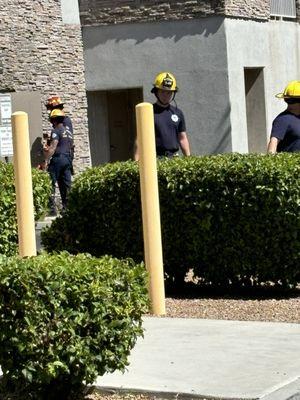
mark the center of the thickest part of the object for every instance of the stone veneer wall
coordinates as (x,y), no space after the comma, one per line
(107,12)
(254,9)
(38,52)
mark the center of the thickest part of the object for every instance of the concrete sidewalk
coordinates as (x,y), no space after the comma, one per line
(213,359)
(208,359)
(39,226)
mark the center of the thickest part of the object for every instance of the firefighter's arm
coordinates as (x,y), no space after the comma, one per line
(184,143)
(49,150)
(272,146)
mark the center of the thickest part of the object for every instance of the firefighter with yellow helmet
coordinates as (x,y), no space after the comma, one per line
(58,155)
(169,121)
(56,103)
(285,134)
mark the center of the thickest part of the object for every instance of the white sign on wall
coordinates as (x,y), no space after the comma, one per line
(6,146)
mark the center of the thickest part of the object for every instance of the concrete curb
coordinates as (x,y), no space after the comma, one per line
(287,392)
(167,395)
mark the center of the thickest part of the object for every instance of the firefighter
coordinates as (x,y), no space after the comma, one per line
(58,155)
(56,103)
(285,134)
(169,121)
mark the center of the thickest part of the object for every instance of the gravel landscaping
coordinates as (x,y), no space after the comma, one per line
(273,310)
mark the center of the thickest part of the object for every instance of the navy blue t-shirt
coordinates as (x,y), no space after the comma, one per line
(68,123)
(65,140)
(169,122)
(286,128)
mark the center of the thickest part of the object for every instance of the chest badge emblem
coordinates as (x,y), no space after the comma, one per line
(174,118)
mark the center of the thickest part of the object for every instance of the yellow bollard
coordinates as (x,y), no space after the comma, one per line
(23,183)
(150,206)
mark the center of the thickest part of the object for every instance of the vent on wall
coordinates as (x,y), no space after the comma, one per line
(283,8)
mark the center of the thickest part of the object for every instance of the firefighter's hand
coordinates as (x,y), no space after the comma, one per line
(43,165)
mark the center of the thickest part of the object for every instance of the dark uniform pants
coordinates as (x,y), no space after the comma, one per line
(60,168)
(166,153)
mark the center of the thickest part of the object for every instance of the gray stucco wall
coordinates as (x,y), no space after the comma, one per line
(273,45)
(130,55)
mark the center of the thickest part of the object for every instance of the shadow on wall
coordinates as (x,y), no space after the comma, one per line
(36,152)
(140,32)
(224,144)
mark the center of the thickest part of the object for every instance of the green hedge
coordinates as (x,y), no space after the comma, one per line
(67,319)
(8,213)
(230,217)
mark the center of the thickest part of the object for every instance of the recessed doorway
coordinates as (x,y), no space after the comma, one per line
(112,126)
(255,109)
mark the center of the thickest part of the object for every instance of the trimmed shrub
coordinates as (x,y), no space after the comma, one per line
(103,215)
(230,217)
(67,319)
(8,213)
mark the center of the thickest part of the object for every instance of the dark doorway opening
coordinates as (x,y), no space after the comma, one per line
(255,109)
(112,126)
